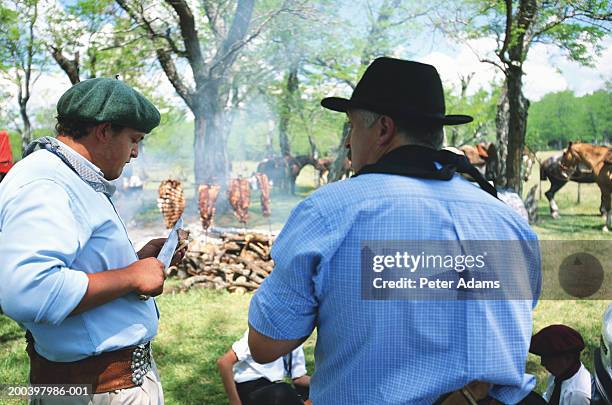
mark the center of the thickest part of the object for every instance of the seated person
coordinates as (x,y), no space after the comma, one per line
(250,383)
(559,347)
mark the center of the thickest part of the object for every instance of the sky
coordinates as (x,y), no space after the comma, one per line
(546,69)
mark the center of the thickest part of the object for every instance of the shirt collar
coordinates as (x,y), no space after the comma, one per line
(81,157)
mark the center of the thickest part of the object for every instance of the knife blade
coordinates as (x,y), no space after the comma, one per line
(167,250)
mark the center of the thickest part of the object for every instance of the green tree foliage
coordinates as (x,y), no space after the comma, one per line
(562,117)
(21,61)
(575,26)
(481,105)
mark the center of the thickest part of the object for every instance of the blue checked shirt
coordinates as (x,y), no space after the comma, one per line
(54,230)
(394,352)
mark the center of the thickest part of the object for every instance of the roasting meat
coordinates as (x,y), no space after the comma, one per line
(239,198)
(207,197)
(264,187)
(171,201)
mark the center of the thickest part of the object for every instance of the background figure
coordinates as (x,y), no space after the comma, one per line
(395,351)
(569,382)
(250,383)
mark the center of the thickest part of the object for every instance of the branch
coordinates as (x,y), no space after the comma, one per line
(552,24)
(508,35)
(320,62)
(30,54)
(211,17)
(190,37)
(164,58)
(70,67)
(256,33)
(497,65)
(412,16)
(225,54)
(167,64)
(124,44)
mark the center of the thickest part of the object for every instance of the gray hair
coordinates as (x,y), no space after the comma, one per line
(431,137)
(368,118)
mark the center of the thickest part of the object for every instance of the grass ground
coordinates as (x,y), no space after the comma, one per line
(197,327)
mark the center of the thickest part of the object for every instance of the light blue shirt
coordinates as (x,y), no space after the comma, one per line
(394,352)
(54,230)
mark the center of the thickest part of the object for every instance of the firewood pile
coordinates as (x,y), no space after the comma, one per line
(171,201)
(237,262)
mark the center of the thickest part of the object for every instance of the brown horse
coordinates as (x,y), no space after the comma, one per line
(550,169)
(323,166)
(599,159)
(486,159)
(284,170)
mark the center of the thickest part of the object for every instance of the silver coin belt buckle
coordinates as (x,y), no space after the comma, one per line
(141,362)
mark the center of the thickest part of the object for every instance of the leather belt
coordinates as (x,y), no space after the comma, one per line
(474,393)
(109,371)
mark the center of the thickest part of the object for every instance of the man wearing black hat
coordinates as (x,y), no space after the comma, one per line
(381,351)
(70,275)
(559,347)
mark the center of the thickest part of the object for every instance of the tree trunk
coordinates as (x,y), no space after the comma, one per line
(199,148)
(453,136)
(269,141)
(517,124)
(26,134)
(211,158)
(501,124)
(337,169)
(285,110)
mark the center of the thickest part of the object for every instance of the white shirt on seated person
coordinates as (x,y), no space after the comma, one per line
(576,390)
(247,369)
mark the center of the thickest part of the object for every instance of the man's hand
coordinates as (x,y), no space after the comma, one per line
(153,247)
(147,276)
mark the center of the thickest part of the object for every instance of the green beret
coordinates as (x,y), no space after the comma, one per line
(108,100)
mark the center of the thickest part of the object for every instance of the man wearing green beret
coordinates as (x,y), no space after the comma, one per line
(70,275)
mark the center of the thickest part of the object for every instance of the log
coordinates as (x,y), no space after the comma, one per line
(246,284)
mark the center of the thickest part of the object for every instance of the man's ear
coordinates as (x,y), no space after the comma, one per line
(103,132)
(387,130)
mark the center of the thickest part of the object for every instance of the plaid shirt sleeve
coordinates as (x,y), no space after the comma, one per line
(285,307)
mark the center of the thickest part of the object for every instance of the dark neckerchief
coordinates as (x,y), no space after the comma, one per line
(555,398)
(418,161)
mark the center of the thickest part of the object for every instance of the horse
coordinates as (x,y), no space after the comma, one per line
(324,165)
(485,158)
(550,169)
(276,170)
(284,170)
(599,159)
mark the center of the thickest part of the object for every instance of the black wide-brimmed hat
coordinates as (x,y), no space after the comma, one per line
(404,90)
